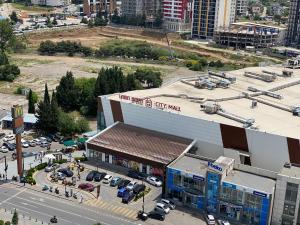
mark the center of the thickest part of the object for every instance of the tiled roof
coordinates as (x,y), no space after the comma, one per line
(141,143)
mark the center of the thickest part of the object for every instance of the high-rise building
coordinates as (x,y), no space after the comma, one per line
(210,15)
(293,32)
(177,15)
(241,7)
(95,6)
(132,8)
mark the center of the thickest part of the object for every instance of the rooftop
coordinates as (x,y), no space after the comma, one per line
(252,181)
(28,118)
(273,116)
(141,143)
(292,171)
(191,165)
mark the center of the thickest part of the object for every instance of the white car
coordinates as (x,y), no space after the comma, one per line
(168,203)
(154,181)
(130,186)
(223,222)
(107,179)
(161,207)
(25,145)
(4,149)
(210,219)
(9,137)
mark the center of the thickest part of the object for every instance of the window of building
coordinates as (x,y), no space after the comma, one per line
(289,209)
(291,192)
(107,158)
(177,179)
(253,201)
(231,195)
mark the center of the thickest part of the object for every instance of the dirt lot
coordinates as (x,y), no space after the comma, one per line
(37,70)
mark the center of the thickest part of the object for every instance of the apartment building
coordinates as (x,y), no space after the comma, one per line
(177,15)
(293,31)
(149,8)
(95,6)
(209,16)
(241,7)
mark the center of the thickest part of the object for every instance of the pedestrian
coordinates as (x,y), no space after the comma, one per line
(1,176)
(81,198)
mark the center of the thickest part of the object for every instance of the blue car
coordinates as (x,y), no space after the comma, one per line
(116,181)
(122,192)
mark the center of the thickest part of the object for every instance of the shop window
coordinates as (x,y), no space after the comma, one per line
(289,209)
(177,179)
(253,201)
(231,195)
(144,168)
(106,158)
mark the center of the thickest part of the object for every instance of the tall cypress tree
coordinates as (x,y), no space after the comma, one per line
(31,107)
(43,113)
(54,113)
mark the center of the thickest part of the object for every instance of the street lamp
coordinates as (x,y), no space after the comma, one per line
(143,196)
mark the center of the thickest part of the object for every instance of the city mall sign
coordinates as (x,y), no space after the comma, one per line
(149,103)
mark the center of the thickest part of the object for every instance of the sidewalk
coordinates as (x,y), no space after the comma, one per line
(6,215)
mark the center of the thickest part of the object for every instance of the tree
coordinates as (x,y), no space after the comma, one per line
(54,113)
(151,78)
(44,121)
(13,17)
(6,34)
(67,93)
(31,106)
(54,22)
(15,218)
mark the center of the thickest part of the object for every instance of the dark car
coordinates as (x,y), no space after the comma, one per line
(123,183)
(66,171)
(136,175)
(86,186)
(128,196)
(90,176)
(138,188)
(99,176)
(9,146)
(156,215)
(122,192)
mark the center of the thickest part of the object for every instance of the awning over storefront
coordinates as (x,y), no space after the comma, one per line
(139,144)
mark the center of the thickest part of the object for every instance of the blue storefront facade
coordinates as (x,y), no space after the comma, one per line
(210,192)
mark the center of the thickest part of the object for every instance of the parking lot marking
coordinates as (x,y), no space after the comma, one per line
(123,210)
(132,215)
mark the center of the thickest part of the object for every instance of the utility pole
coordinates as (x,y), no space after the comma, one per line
(143,197)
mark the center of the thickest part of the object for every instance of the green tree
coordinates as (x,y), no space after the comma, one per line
(54,114)
(15,218)
(54,22)
(13,17)
(151,78)
(67,93)
(31,106)
(6,34)
(44,121)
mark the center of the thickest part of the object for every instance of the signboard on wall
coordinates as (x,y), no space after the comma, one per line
(214,166)
(150,103)
(17,111)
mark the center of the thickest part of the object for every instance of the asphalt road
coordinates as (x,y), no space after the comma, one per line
(42,207)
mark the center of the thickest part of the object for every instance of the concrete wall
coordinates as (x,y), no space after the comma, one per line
(266,150)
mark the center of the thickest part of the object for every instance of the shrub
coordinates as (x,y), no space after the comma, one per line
(82,159)
(61,161)
(41,166)
(140,195)
(1,222)
(7,223)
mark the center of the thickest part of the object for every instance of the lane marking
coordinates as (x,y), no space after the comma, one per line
(13,196)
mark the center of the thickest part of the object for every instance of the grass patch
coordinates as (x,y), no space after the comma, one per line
(32,8)
(30,62)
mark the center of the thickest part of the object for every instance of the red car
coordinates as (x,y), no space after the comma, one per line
(86,186)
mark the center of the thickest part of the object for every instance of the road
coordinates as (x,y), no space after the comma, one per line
(42,207)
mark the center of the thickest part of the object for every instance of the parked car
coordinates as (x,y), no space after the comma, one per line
(210,219)
(154,181)
(107,179)
(25,145)
(115,181)
(52,167)
(130,186)
(9,146)
(136,175)
(161,207)
(138,188)
(86,186)
(27,154)
(4,149)
(2,135)
(128,196)
(142,215)
(121,192)
(32,143)
(156,215)
(66,171)
(223,222)
(123,183)
(99,176)
(61,176)
(44,144)
(90,175)
(9,137)
(168,203)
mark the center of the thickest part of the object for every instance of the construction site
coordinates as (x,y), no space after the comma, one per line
(243,35)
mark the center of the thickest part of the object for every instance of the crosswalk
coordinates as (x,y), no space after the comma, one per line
(107,206)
